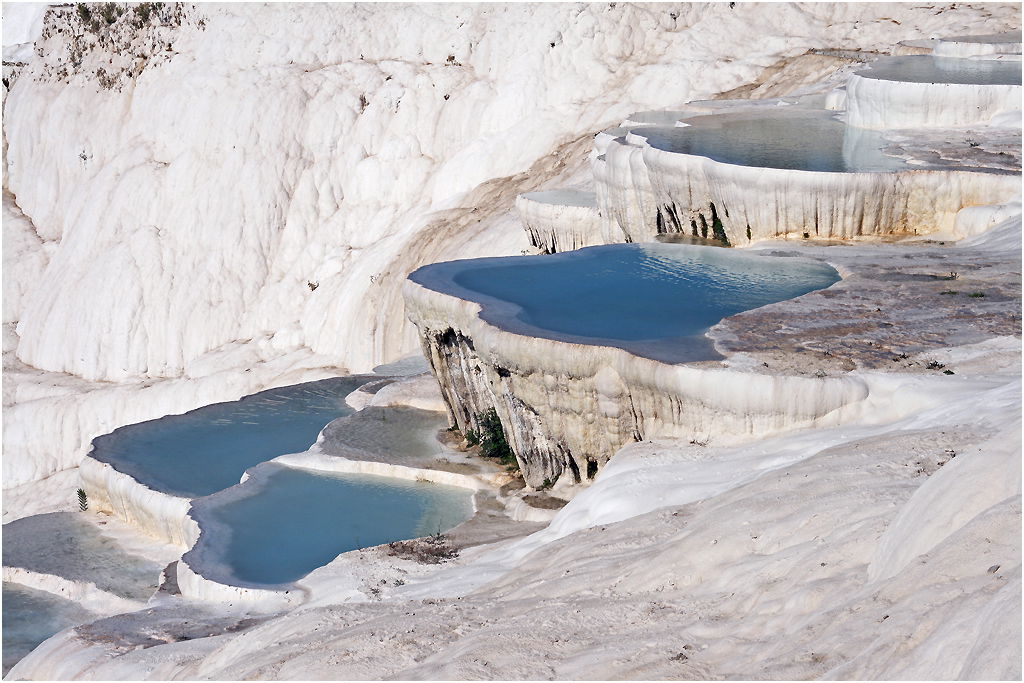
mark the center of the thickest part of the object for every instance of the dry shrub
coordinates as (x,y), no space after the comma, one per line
(429,550)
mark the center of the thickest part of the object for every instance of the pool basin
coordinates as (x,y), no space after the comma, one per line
(284,522)
(653,300)
(208,449)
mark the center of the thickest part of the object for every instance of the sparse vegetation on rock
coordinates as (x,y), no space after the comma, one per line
(430,550)
(492,439)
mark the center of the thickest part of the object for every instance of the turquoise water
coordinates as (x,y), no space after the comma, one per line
(285,522)
(654,300)
(782,138)
(31,616)
(208,449)
(929,69)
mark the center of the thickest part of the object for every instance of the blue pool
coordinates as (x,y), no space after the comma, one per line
(929,69)
(285,522)
(31,616)
(783,138)
(208,449)
(654,300)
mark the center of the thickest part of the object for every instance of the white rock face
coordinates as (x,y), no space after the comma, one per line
(25,259)
(955,495)
(23,22)
(625,197)
(194,210)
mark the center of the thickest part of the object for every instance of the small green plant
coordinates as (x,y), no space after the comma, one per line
(717,227)
(143,11)
(84,13)
(492,439)
(950,292)
(110,12)
(976,295)
(948,372)
(471,437)
(83,500)
(546,484)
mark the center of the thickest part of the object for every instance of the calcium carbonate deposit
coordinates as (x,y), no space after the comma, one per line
(202,202)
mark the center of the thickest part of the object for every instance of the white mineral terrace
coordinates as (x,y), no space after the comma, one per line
(836,494)
(592,398)
(922,91)
(560,220)
(970,46)
(780,173)
(180,521)
(656,118)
